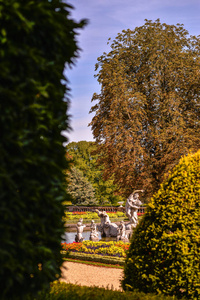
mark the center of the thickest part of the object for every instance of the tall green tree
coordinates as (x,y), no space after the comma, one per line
(37,39)
(147,114)
(84,156)
(80,189)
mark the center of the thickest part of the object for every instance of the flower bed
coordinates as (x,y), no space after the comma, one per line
(73,217)
(114,249)
(91,215)
(140,214)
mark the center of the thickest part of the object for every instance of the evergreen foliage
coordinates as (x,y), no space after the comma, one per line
(37,38)
(84,156)
(164,255)
(147,114)
(80,189)
(63,291)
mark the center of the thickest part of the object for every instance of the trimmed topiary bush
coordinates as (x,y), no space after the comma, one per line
(164,253)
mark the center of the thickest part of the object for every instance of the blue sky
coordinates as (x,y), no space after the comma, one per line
(106,19)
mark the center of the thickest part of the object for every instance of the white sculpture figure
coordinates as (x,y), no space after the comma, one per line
(79,227)
(122,229)
(122,233)
(106,228)
(132,205)
(94,235)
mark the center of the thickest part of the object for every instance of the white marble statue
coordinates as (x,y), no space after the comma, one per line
(122,236)
(94,235)
(79,227)
(106,228)
(132,205)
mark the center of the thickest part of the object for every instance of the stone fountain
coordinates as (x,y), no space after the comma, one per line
(122,232)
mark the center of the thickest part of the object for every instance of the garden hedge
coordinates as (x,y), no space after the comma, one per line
(63,291)
(37,40)
(97,258)
(164,253)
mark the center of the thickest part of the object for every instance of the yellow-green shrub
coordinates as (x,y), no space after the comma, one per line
(83,215)
(164,251)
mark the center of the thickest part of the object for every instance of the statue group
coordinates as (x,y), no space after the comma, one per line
(122,232)
(94,235)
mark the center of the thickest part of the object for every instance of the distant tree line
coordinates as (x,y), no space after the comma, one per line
(86,183)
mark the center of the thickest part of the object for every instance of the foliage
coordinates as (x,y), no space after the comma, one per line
(80,188)
(67,203)
(37,39)
(147,113)
(84,158)
(164,255)
(114,260)
(66,291)
(95,262)
(91,215)
(106,248)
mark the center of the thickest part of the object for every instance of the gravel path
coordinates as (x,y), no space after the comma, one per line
(82,274)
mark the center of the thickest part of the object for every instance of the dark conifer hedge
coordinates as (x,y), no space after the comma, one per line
(37,38)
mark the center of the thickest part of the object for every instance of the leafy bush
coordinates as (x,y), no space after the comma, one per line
(164,253)
(77,215)
(120,214)
(63,291)
(37,39)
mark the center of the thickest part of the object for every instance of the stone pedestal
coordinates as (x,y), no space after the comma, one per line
(125,239)
(78,240)
(94,238)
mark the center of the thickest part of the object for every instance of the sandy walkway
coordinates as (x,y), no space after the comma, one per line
(82,274)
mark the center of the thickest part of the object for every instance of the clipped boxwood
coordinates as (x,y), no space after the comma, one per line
(164,253)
